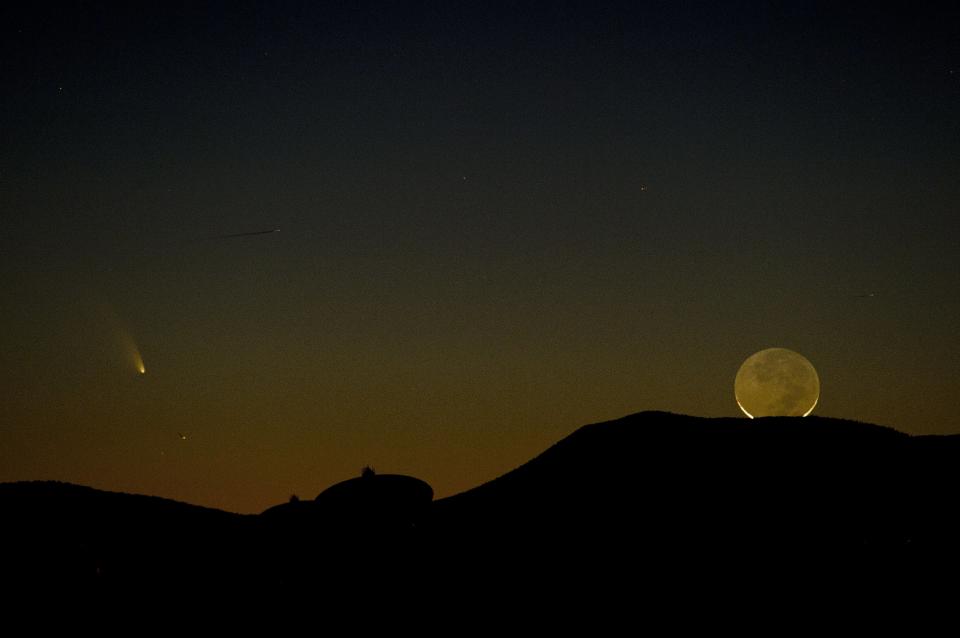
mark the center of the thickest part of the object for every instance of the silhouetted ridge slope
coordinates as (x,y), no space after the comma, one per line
(362,524)
(69,531)
(56,498)
(666,480)
(634,444)
(657,494)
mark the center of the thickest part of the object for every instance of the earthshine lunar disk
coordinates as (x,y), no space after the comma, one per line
(777,382)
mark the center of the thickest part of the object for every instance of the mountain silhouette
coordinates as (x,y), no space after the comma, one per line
(652,493)
(352,527)
(657,492)
(655,474)
(59,532)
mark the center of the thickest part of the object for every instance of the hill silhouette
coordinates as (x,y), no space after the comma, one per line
(59,532)
(658,491)
(652,492)
(353,528)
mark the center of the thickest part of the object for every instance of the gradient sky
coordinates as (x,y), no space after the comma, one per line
(497,223)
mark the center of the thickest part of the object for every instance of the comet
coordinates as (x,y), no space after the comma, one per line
(138,362)
(132,351)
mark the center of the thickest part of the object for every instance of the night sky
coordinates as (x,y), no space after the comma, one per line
(497,223)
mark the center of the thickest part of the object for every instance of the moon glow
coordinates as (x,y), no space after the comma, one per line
(777,382)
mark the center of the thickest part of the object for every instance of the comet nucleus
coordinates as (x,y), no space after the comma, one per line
(132,351)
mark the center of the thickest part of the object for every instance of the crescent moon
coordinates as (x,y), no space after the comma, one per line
(777,382)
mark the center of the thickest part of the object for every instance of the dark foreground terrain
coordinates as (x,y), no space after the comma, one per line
(653,496)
